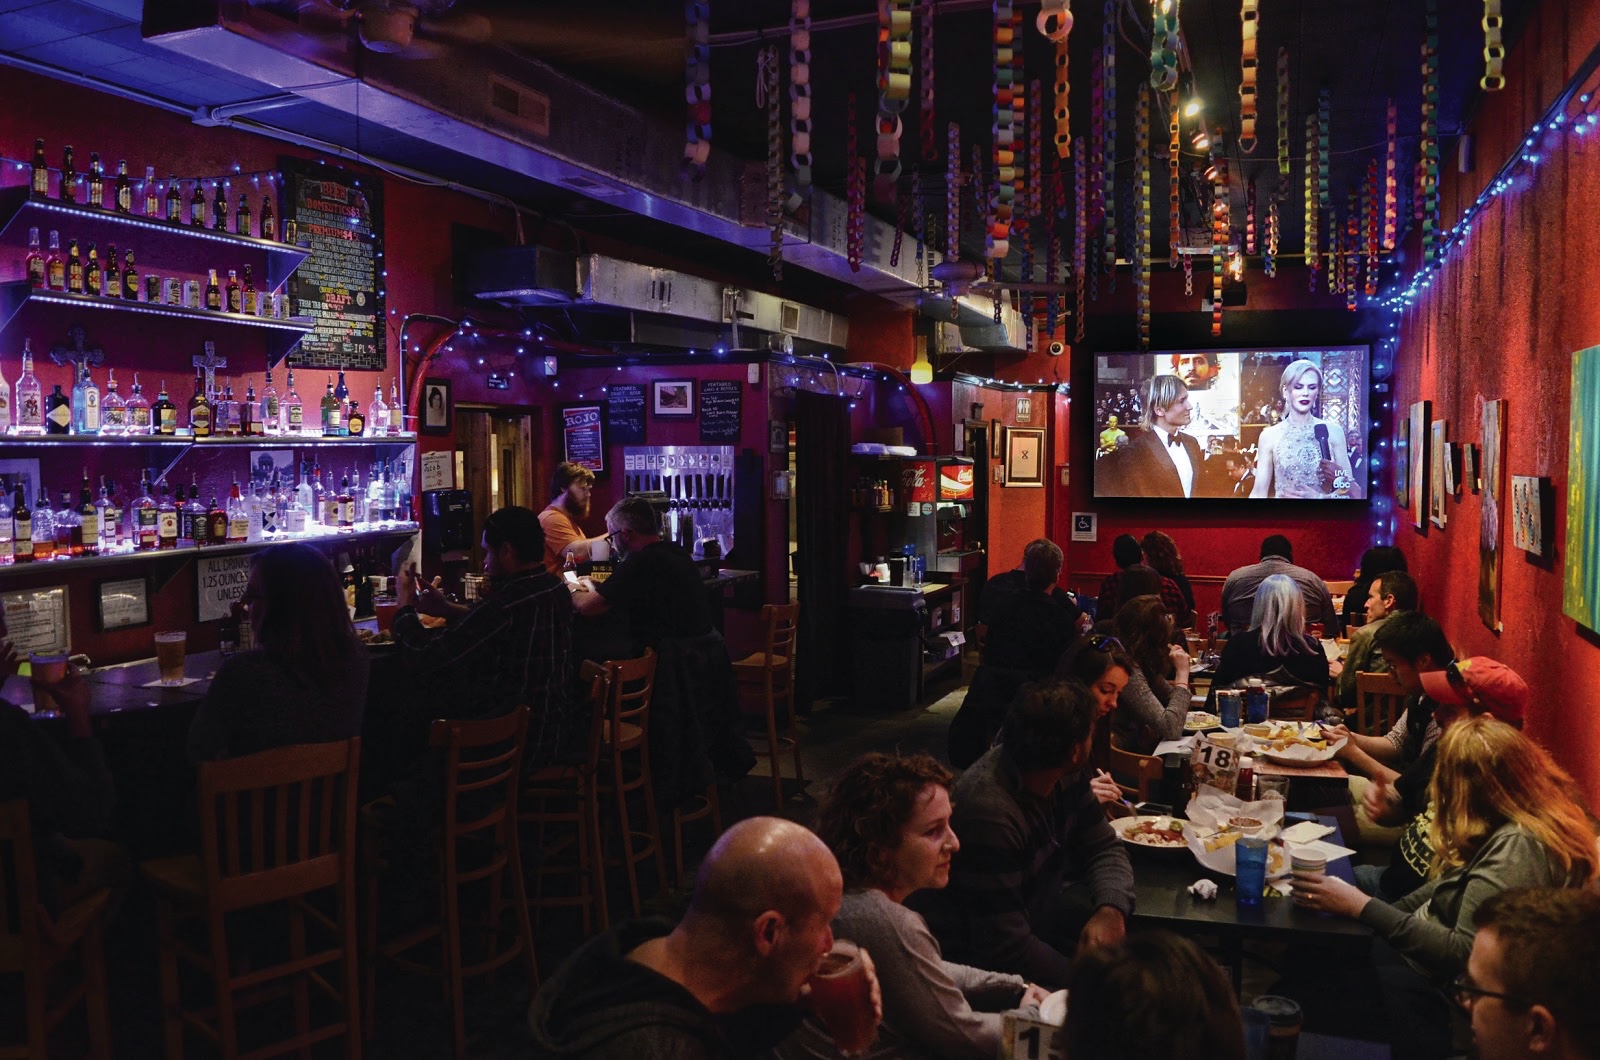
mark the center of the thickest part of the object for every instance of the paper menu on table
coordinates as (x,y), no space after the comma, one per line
(1305,832)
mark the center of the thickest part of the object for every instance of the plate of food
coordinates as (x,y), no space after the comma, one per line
(1151,833)
(1200,720)
(1295,744)
(1215,852)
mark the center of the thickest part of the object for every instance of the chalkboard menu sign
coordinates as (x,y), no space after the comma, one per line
(581,430)
(625,413)
(719,410)
(341,287)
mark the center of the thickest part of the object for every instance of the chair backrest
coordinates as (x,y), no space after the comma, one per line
(1339,588)
(279,823)
(1135,774)
(480,756)
(1380,699)
(633,683)
(597,679)
(19,887)
(783,626)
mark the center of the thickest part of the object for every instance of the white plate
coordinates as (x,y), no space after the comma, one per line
(1198,720)
(1123,825)
(1053,1009)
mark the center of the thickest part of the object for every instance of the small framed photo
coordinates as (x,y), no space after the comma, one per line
(673,397)
(122,603)
(996,441)
(437,410)
(1529,514)
(1025,464)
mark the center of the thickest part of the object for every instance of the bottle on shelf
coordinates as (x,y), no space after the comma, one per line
(228,416)
(93,279)
(219,208)
(5,404)
(241,217)
(152,198)
(166,520)
(174,201)
(255,505)
(74,268)
(213,292)
(197,207)
(216,523)
(238,529)
(138,409)
(122,192)
(30,399)
(235,299)
(269,222)
(113,410)
(377,413)
(130,278)
(305,494)
(21,527)
(191,517)
(7,527)
(35,261)
(58,412)
(142,517)
(295,514)
(111,285)
(249,301)
(69,176)
(355,420)
(271,414)
(347,506)
(112,536)
(202,420)
(88,520)
(97,182)
(250,412)
(55,266)
(267,500)
(40,186)
(388,501)
(85,404)
(164,414)
(332,417)
(293,410)
(69,530)
(396,413)
(328,506)
(341,391)
(44,527)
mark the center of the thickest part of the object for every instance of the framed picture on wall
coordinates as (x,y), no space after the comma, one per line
(1025,456)
(1417,468)
(437,409)
(673,397)
(122,604)
(1438,457)
(1529,516)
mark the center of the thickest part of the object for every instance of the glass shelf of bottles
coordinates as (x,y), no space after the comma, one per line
(127,555)
(13,296)
(254,441)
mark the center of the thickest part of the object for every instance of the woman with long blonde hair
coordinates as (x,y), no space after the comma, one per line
(1304,456)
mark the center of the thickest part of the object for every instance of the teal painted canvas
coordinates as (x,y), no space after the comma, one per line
(1581,598)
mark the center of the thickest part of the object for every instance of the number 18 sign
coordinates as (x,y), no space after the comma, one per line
(1026,1039)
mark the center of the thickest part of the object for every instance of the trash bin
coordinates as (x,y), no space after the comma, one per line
(886,625)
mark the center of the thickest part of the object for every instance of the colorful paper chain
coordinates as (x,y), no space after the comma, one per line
(1108,68)
(1250,20)
(1025,271)
(1430,134)
(902,218)
(1097,162)
(1022,122)
(921,226)
(925,85)
(800,157)
(1141,216)
(952,192)
(1220,225)
(1174,179)
(1080,242)
(1269,257)
(1052,274)
(1188,274)
(1494,49)
(1391,179)
(997,243)
(1164,44)
(697,87)
(1283,118)
(1313,230)
(1352,260)
(1035,149)
(769,97)
(1324,162)
(1055,24)
(855,207)
(894,93)
(1370,196)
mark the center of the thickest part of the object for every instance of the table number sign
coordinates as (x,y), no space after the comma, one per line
(1026,1039)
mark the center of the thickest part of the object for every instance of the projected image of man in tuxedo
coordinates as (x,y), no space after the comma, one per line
(1162,461)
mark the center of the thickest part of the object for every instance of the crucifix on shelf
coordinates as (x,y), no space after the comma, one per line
(209,365)
(76,354)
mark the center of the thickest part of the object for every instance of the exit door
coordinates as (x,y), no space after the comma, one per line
(497,464)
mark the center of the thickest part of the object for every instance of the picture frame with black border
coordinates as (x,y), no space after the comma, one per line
(438,411)
(1025,457)
(672,397)
(121,603)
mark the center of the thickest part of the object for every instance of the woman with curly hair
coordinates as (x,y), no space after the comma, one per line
(1161,554)
(887,820)
(1155,702)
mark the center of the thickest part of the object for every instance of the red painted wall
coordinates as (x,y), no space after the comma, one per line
(1501,321)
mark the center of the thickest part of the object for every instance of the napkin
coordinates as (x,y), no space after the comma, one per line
(1305,832)
(158,683)
(1327,850)
(1203,889)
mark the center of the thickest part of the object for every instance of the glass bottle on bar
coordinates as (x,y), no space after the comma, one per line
(69,530)
(355,420)
(328,507)
(341,391)
(241,217)
(138,409)
(55,266)
(111,285)
(97,182)
(58,412)
(250,413)
(113,410)
(88,520)
(202,416)
(143,517)
(271,414)
(7,527)
(396,413)
(130,278)
(174,200)
(35,261)
(152,196)
(306,493)
(85,404)
(249,301)
(269,222)
(378,413)
(295,508)
(111,533)
(219,207)
(164,414)
(69,176)
(347,506)
(293,409)
(122,191)
(40,186)
(216,522)
(166,520)
(6,408)
(21,527)
(235,299)
(213,292)
(192,518)
(227,413)
(93,279)
(197,206)
(238,517)
(74,268)
(44,526)
(30,398)
(331,413)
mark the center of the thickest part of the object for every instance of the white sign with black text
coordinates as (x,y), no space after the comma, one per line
(220,582)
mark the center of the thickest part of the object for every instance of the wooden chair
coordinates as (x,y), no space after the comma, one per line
(478,845)
(562,797)
(1379,702)
(706,804)
(1135,774)
(1340,588)
(33,944)
(766,677)
(277,828)
(625,766)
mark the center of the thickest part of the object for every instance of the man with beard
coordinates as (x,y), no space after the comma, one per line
(571,484)
(1197,370)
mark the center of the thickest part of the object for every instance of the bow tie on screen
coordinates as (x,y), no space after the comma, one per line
(1172,440)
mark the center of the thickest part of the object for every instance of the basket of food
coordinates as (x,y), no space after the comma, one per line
(1291,743)
(1200,721)
(1217,821)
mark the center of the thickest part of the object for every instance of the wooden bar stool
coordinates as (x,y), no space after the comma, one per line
(625,765)
(707,804)
(33,944)
(765,678)
(562,797)
(277,828)
(478,845)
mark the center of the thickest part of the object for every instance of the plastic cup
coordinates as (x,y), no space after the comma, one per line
(1250,870)
(171,646)
(842,998)
(1257,1032)
(1272,787)
(47,669)
(1255,705)
(1283,1025)
(1229,708)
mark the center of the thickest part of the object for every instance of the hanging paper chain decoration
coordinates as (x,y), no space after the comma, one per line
(855,207)
(1174,187)
(925,86)
(1371,201)
(1335,245)
(1249,17)
(998,240)
(1080,242)
(1108,65)
(921,224)
(1055,23)
(1250,219)
(1052,274)
(902,218)
(980,189)
(1220,225)
(1283,119)
(697,88)
(1430,134)
(1313,231)
(1494,49)
(1141,217)
(1391,180)
(1324,161)
(1097,161)
(1352,261)
(1269,259)
(769,96)
(1022,123)
(1027,297)
(952,192)
(800,94)
(1164,44)
(1035,149)
(894,92)
(1188,274)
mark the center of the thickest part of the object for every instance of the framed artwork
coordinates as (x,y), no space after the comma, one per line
(1493,500)
(1417,466)
(1452,469)
(1580,597)
(1025,456)
(1529,517)
(438,412)
(996,440)
(1471,459)
(673,397)
(1438,457)
(1402,464)
(122,604)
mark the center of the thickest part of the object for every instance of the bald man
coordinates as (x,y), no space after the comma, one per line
(725,981)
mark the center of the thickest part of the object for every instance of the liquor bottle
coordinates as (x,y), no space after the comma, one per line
(93,279)
(269,221)
(241,217)
(30,399)
(271,421)
(174,200)
(21,527)
(97,182)
(250,412)
(186,528)
(249,303)
(235,301)
(194,517)
(111,536)
(373,500)
(293,410)
(152,200)
(197,207)
(355,419)
(228,419)
(295,510)
(85,405)
(328,510)
(377,413)
(58,413)
(113,410)
(123,191)
(341,391)
(69,176)
(166,520)
(164,414)
(36,272)
(213,292)
(88,520)
(216,523)
(74,268)
(7,527)
(388,500)
(269,508)
(138,409)
(5,406)
(111,285)
(41,172)
(304,493)
(44,527)
(55,268)
(238,529)
(331,425)
(69,530)
(219,209)
(396,413)
(347,506)
(202,419)
(130,278)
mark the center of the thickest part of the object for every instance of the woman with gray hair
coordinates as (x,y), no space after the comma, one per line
(1303,456)
(1275,647)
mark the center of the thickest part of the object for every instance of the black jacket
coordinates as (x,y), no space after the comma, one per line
(1143,470)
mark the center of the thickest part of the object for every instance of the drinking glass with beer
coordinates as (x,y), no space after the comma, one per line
(171,646)
(841,996)
(48,669)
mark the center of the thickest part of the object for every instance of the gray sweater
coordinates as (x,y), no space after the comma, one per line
(1149,712)
(928,1002)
